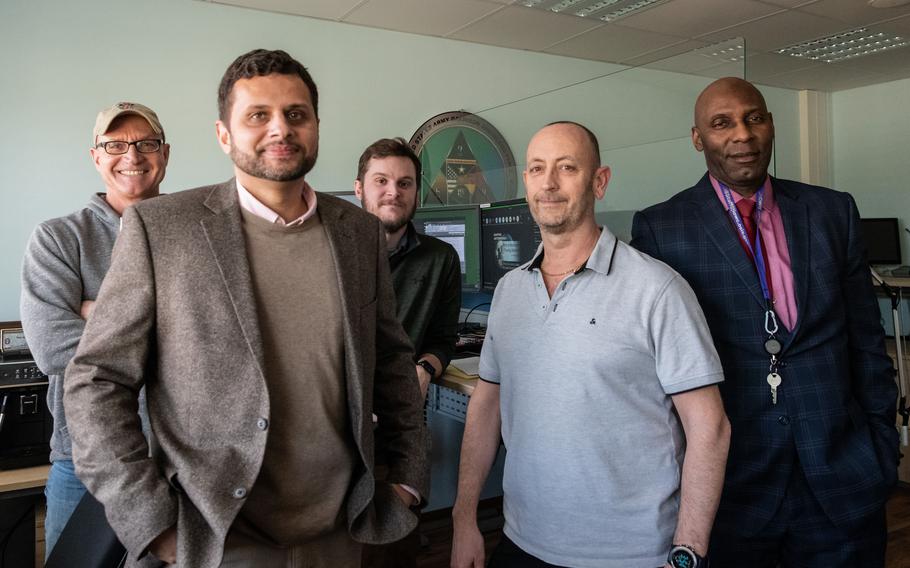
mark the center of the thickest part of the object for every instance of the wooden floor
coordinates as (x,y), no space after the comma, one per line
(437,532)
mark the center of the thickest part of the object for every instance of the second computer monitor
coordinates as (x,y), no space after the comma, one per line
(460,227)
(509,238)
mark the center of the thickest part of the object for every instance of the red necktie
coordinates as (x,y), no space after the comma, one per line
(746,210)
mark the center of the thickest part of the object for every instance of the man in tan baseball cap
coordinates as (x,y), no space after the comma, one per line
(64,264)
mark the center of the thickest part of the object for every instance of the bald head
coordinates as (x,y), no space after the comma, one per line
(725,88)
(736,133)
(577,133)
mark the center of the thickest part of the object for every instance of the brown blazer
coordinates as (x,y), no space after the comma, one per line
(176,314)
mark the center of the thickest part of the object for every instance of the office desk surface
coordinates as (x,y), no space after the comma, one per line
(457,384)
(895,281)
(25,478)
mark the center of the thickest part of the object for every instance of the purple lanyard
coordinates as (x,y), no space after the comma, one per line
(755,249)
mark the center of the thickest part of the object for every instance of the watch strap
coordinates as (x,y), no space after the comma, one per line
(428,367)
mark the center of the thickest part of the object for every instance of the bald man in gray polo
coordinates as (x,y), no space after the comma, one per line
(599,369)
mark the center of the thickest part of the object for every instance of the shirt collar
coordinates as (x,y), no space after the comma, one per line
(769,203)
(257,208)
(601,259)
(408,242)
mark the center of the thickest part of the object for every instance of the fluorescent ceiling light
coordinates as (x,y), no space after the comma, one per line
(727,51)
(845,45)
(606,10)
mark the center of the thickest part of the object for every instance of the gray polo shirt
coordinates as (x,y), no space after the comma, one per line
(595,448)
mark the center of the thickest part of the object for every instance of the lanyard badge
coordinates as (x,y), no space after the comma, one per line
(772,345)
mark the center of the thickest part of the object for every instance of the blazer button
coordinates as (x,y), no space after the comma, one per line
(239,493)
(783,420)
(262,423)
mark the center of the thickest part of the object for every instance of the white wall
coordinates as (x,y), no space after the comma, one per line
(872,150)
(65,60)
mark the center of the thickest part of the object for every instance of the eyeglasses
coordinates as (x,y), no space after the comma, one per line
(117,147)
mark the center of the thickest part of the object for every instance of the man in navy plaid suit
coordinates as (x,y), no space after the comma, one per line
(809,388)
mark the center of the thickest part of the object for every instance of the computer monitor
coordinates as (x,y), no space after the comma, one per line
(509,238)
(882,237)
(460,227)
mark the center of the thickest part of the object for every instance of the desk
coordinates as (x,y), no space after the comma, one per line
(25,479)
(447,404)
(20,491)
(895,281)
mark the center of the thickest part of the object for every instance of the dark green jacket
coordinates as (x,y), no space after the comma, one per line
(426,276)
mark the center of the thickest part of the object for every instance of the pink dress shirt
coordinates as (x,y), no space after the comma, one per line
(776,253)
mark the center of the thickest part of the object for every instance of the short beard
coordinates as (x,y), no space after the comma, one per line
(390,226)
(255,167)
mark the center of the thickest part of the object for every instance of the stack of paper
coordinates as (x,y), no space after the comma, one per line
(467,368)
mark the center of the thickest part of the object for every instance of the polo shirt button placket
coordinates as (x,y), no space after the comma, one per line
(239,493)
(262,424)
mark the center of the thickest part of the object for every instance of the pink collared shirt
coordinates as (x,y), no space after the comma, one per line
(254,206)
(776,253)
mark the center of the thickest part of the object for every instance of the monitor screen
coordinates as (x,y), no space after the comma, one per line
(460,227)
(509,238)
(883,240)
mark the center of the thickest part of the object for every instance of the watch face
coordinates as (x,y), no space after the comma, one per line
(682,558)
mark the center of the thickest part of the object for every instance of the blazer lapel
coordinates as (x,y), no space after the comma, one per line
(343,245)
(224,233)
(716,223)
(795,216)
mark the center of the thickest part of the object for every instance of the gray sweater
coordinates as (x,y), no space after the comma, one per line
(65,261)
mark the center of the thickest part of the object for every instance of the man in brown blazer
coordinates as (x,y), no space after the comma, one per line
(261,321)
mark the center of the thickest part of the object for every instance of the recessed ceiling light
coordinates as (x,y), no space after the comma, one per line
(845,45)
(606,10)
(727,51)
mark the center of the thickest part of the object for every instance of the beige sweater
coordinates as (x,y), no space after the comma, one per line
(306,472)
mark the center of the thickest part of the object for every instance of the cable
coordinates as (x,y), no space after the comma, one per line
(464,324)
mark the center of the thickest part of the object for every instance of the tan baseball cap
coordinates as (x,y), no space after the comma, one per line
(107,116)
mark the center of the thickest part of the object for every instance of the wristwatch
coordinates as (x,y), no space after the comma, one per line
(428,367)
(682,556)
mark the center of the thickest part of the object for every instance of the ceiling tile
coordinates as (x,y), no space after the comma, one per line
(760,65)
(612,43)
(524,28)
(691,18)
(326,9)
(430,17)
(788,3)
(780,30)
(731,69)
(897,26)
(658,56)
(853,12)
(825,77)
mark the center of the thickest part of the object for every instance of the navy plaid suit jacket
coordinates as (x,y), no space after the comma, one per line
(835,415)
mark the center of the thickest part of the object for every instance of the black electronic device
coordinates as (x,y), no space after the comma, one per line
(458,225)
(509,238)
(25,422)
(882,237)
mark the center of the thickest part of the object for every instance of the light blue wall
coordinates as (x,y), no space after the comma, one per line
(872,150)
(64,60)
